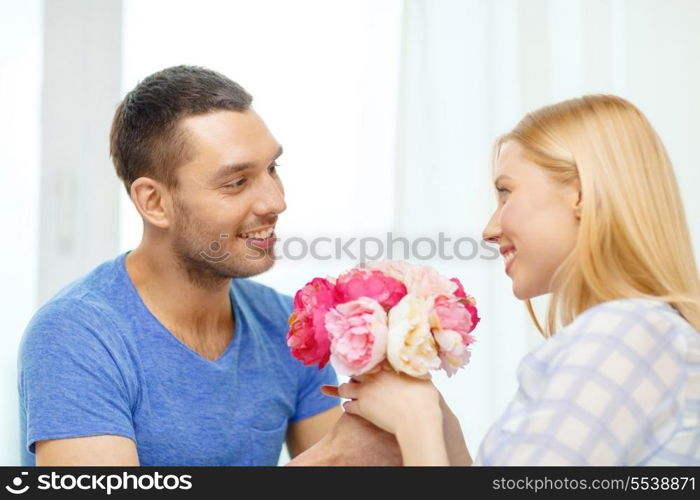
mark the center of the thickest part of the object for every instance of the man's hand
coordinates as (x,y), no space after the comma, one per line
(303,434)
(353,441)
(454,439)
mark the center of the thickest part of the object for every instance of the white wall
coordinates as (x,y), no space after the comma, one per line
(324,77)
(20,91)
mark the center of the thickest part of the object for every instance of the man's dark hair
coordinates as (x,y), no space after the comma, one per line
(145,139)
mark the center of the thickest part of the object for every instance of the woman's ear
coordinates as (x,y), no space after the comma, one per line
(576,198)
(152,200)
(578,206)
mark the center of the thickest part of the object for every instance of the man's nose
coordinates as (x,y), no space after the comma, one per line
(270,199)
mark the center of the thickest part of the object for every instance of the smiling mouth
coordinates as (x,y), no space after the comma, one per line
(508,259)
(258,235)
(262,240)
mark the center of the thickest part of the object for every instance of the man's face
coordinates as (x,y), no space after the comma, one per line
(228,196)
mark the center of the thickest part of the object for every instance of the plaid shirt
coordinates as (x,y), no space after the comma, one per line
(620,385)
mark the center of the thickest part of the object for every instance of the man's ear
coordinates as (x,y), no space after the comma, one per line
(153,201)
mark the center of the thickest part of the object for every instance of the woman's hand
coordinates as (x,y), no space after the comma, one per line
(402,405)
(389,399)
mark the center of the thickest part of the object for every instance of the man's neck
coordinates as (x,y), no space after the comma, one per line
(200,316)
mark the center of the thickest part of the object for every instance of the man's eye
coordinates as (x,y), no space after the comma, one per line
(273,168)
(236,184)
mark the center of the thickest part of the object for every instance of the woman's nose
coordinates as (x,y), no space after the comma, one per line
(492,231)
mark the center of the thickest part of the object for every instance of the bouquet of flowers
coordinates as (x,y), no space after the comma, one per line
(408,315)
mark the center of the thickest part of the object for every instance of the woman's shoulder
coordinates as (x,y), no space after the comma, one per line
(638,327)
(615,386)
(653,316)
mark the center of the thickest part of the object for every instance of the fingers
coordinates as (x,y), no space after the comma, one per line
(352,407)
(348,391)
(330,390)
(374,370)
(383,366)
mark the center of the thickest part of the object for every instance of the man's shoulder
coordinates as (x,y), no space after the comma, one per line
(83,305)
(95,283)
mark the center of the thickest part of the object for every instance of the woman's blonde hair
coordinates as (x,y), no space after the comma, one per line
(633,239)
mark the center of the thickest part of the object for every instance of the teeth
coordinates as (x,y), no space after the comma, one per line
(260,235)
(510,256)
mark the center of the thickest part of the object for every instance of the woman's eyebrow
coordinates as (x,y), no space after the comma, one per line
(500,177)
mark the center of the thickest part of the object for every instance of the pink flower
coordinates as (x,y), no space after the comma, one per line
(460,289)
(375,285)
(451,323)
(307,336)
(358,331)
(468,302)
(470,305)
(409,315)
(425,281)
(397,269)
(318,291)
(450,314)
(454,353)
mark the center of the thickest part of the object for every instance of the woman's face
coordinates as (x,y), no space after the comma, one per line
(535,222)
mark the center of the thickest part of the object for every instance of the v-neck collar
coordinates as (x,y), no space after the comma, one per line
(237,317)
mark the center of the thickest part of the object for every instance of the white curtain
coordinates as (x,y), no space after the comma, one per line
(469,70)
(387,110)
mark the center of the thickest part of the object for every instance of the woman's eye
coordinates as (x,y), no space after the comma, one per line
(502,191)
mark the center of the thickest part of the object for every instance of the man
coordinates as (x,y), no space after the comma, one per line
(167,355)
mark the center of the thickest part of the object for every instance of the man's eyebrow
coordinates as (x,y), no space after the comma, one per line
(231,169)
(234,168)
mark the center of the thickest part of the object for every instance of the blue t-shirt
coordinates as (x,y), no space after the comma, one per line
(94,361)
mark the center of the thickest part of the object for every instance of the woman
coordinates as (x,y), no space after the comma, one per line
(589,211)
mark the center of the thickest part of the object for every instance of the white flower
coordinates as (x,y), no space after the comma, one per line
(412,348)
